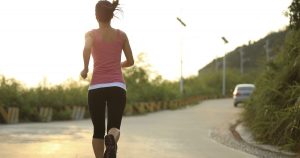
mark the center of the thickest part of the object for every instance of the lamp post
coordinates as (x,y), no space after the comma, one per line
(181,76)
(224,70)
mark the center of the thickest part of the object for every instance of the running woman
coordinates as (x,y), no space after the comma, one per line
(107,88)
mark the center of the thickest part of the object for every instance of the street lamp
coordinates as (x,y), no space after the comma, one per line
(181,22)
(224,69)
(181,76)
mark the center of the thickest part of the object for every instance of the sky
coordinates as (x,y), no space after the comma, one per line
(44,39)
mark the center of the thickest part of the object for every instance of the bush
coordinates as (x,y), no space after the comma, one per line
(273,113)
(10,92)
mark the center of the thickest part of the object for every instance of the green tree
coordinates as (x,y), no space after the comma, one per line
(294,13)
(144,85)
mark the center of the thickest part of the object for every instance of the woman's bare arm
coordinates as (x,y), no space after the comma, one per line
(128,54)
(87,54)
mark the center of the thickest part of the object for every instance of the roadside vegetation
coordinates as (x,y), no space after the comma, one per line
(143,86)
(273,113)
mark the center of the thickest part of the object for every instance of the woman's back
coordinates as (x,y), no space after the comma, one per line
(108,34)
(106,51)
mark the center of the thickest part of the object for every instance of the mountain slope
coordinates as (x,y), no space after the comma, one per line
(254,54)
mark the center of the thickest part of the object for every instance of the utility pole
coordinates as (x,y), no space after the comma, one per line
(268,50)
(242,60)
(224,69)
(181,62)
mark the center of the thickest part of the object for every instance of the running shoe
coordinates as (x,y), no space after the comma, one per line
(111,146)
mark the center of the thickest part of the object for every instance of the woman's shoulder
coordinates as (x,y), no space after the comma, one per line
(122,33)
(90,33)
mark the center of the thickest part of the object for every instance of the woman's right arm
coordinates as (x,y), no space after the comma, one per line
(86,54)
(128,54)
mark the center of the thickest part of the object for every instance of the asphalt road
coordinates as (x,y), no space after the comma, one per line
(181,133)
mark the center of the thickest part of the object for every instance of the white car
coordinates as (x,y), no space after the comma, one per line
(242,92)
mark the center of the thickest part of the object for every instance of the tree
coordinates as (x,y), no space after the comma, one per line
(294,13)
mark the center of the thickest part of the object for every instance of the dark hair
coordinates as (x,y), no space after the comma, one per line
(105,10)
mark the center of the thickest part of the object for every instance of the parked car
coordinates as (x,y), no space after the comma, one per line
(242,92)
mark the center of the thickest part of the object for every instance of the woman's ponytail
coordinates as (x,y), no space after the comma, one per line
(105,10)
(115,4)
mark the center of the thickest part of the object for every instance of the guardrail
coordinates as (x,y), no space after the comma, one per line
(45,114)
(78,113)
(10,115)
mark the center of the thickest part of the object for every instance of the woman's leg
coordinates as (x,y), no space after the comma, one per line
(97,104)
(116,101)
(98,147)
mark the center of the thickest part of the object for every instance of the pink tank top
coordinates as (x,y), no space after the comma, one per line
(107,59)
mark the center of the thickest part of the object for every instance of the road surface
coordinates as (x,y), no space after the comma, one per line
(181,133)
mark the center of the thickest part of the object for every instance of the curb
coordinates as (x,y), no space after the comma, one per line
(233,131)
(237,136)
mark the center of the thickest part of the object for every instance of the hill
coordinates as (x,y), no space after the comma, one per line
(255,55)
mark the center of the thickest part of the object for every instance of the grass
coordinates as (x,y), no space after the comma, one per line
(273,113)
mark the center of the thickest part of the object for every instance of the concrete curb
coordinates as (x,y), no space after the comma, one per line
(247,137)
(241,133)
(229,136)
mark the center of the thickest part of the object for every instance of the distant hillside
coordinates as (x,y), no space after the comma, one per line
(254,54)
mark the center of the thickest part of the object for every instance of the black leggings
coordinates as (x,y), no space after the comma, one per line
(114,98)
